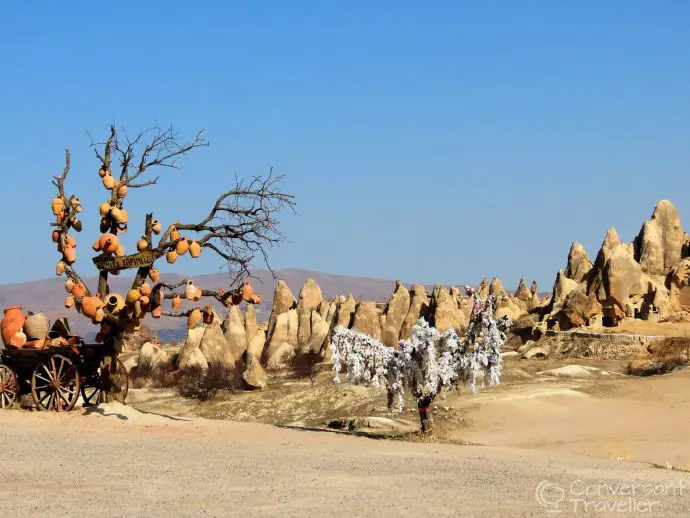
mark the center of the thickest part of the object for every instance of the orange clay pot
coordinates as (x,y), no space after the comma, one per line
(79,290)
(247,291)
(199,293)
(194,318)
(104,209)
(100,315)
(60,268)
(174,234)
(90,306)
(102,172)
(142,244)
(69,252)
(69,284)
(157,312)
(116,214)
(176,302)
(115,303)
(145,289)
(256,299)
(171,256)
(124,217)
(76,205)
(156,227)
(12,323)
(208,315)
(69,301)
(133,296)
(18,340)
(182,246)
(194,249)
(154,275)
(56,236)
(109,243)
(108,180)
(58,205)
(122,191)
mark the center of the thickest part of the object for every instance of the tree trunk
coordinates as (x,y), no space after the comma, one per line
(425,414)
(391,397)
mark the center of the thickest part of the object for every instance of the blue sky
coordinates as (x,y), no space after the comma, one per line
(426,141)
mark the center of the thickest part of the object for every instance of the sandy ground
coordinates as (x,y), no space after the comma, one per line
(119,462)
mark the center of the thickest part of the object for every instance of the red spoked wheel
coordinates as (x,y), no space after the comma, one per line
(9,387)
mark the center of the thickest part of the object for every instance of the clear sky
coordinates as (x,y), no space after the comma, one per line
(431,142)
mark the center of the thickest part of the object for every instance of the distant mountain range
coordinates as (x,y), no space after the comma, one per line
(48,295)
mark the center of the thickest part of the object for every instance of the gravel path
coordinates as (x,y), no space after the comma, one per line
(119,462)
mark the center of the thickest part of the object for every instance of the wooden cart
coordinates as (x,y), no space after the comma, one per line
(57,375)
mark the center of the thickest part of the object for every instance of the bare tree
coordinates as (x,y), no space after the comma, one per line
(240,227)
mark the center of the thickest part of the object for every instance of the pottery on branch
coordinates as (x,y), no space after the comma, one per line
(190,290)
(69,250)
(194,318)
(76,205)
(36,326)
(108,180)
(145,289)
(157,312)
(256,299)
(176,302)
(104,209)
(12,322)
(69,284)
(58,205)
(115,214)
(69,301)
(75,223)
(208,314)
(79,290)
(145,300)
(104,226)
(124,217)
(174,234)
(154,275)
(122,191)
(115,303)
(171,256)
(100,315)
(56,236)
(108,243)
(199,293)
(142,244)
(90,305)
(182,246)
(194,249)
(247,291)
(122,228)
(102,172)
(156,227)
(60,268)
(133,296)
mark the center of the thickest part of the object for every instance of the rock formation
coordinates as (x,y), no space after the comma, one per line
(579,264)
(396,310)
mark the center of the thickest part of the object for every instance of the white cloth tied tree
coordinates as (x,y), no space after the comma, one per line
(431,362)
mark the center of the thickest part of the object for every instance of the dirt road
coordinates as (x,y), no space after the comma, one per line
(119,462)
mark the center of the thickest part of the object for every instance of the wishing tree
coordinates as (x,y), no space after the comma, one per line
(431,362)
(240,225)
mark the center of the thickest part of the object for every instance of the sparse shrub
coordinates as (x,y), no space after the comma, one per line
(205,384)
(305,365)
(663,356)
(154,375)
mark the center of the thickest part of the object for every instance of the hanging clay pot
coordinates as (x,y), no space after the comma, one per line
(60,268)
(90,305)
(116,214)
(133,296)
(76,205)
(11,323)
(208,315)
(145,289)
(115,303)
(56,236)
(154,275)
(144,300)
(108,180)
(69,285)
(58,205)
(190,290)
(157,312)
(124,217)
(109,243)
(102,172)
(104,226)
(138,311)
(69,252)
(176,302)
(247,291)
(104,209)
(79,290)
(142,244)
(194,318)
(156,227)
(199,293)
(182,246)
(122,228)
(100,315)
(75,223)
(171,256)
(69,301)
(256,299)
(18,340)
(174,234)
(122,191)
(194,249)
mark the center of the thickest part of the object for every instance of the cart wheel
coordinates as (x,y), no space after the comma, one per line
(92,394)
(9,387)
(55,384)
